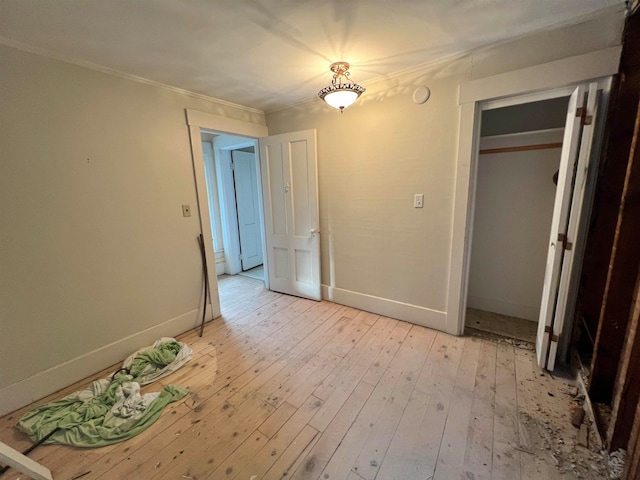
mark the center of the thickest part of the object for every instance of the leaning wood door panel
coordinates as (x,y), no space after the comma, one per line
(568,159)
(289,176)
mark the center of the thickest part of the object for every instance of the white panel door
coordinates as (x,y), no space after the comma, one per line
(245,179)
(575,220)
(559,222)
(290,199)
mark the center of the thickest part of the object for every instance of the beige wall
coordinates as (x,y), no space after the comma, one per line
(96,259)
(373,158)
(371,161)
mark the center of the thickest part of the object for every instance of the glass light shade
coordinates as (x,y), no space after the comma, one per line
(341,99)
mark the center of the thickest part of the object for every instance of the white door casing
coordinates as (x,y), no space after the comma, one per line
(290,198)
(245,175)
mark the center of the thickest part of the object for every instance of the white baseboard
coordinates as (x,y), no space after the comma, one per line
(60,376)
(389,308)
(505,308)
(220,266)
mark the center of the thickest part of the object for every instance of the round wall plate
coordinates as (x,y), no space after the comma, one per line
(421,95)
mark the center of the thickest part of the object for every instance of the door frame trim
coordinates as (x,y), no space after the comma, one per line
(544,81)
(196,122)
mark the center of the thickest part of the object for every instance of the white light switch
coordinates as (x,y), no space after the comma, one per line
(418,200)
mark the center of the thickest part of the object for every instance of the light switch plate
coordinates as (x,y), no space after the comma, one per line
(186,210)
(418,200)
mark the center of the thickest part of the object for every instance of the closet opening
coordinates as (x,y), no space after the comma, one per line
(519,156)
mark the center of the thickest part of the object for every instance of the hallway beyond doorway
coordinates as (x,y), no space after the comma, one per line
(255,272)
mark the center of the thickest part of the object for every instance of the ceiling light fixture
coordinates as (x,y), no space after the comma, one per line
(340,95)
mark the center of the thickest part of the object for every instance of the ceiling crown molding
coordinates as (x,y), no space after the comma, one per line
(116,73)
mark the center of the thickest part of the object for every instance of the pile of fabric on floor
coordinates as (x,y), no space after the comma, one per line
(112,409)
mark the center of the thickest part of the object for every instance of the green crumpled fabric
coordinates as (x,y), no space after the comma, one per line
(155,359)
(86,419)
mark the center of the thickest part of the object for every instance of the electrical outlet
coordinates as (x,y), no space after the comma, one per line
(186,211)
(418,200)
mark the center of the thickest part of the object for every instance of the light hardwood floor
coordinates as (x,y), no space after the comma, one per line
(282,387)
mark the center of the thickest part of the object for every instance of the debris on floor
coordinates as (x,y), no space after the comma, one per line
(499,338)
(616,461)
(577,416)
(583,436)
(562,430)
(557,426)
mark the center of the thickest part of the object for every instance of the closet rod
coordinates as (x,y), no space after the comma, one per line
(523,148)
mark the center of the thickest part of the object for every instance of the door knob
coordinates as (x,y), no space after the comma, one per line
(313,231)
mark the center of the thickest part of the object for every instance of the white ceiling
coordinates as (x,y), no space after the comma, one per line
(270,54)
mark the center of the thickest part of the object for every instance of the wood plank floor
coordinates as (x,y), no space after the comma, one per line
(283,387)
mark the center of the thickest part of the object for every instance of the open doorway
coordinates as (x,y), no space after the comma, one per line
(235,203)
(289,191)
(519,156)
